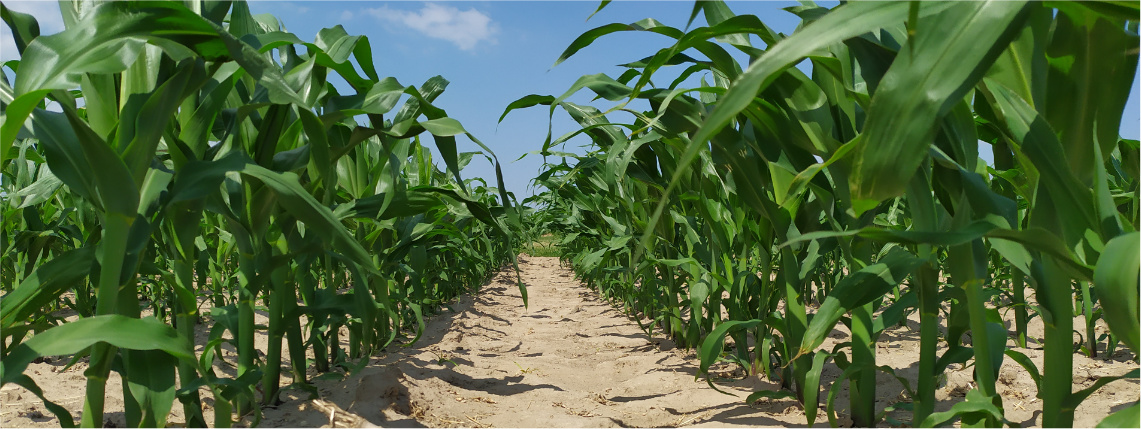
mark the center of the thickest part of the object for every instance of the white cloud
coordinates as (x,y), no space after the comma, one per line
(46,14)
(464,28)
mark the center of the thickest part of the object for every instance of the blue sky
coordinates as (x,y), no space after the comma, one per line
(495,52)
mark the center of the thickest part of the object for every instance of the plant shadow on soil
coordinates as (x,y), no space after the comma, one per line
(571,359)
(479,365)
(568,359)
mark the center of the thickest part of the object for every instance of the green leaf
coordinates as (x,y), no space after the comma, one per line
(855,290)
(1075,399)
(601,5)
(109,38)
(72,337)
(199,179)
(1022,67)
(947,56)
(1091,59)
(976,403)
(24,27)
(42,190)
(711,347)
(61,413)
(769,394)
(844,22)
(151,381)
(1041,240)
(298,202)
(386,206)
(590,36)
(964,234)
(153,117)
(527,101)
(45,285)
(195,131)
(1116,279)
(1125,418)
(812,386)
(116,190)
(1027,365)
(1073,201)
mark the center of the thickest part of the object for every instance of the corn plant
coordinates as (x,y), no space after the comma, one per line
(200,157)
(855,193)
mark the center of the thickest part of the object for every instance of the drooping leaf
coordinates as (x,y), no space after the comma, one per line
(855,290)
(1116,279)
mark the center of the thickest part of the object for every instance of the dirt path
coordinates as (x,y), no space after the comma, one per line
(572,360)
(569,360)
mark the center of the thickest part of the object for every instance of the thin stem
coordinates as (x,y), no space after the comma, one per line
(113,249)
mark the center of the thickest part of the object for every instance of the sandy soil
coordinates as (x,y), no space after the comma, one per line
(572,360)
